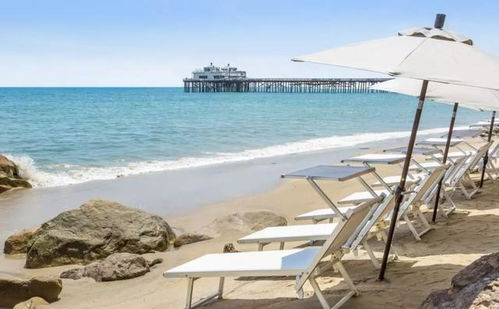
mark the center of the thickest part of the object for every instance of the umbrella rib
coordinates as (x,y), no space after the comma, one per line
(412,51)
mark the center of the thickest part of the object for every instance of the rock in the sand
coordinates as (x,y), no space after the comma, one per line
(119,266)
(18,243)
(229,248)
(189,238)
(32,303)
(94,231)
(14,291)
(476,286)
(9,176)
(250,221)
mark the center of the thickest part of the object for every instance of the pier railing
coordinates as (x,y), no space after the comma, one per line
(284,85)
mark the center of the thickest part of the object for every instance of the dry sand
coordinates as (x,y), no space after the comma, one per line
(424,266)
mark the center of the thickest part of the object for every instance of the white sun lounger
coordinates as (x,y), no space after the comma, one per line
(445,209)
(305,232)
(420,196)
(283,234)
(461,177)
(303,264)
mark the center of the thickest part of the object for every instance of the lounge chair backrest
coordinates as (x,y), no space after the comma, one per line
(342,232)
(473,161)
(451,177)
(446,176)
(495,150)
(381,213)
(480,154)
(425,186)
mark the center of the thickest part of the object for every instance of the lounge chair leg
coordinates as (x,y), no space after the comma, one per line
(221,287)
(411,227)
(370,252)
(425,223)
(318,293)
(190,287)
(205,300)
(464,191)
(489,175)
(347,278)
(281,245)
(453,207)
(384,237)
(261,245)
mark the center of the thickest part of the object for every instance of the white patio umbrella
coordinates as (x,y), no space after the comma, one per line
(469,97)
(428,54)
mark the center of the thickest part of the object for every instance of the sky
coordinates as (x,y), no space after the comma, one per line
(159,42)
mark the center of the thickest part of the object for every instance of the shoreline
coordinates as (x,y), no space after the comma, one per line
(170,193)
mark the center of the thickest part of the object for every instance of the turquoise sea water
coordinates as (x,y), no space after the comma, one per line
(68,135)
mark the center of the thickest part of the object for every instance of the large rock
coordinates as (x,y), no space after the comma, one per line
(476,286)
(14,291)
(10,177)
(32,303)
(189,238)
(118,266)
(94,231)
(18,243)
(250,221)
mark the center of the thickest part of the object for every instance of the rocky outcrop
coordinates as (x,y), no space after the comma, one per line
(250,221)
(10,177)
(94,231)
(14,291)
(189,238)
(32,303)
(18,243)
(119,266)
(476,286)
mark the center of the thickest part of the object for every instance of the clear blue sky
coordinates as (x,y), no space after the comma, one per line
(158,42)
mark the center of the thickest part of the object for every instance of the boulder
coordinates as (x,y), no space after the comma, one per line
(8,168)
(94,231)
(118,266)
(14,291)
(247,222)
(189,238)
(475,286)
(32,303)
(10,177)
(18,242)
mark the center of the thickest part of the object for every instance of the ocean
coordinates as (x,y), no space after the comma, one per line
(62,136)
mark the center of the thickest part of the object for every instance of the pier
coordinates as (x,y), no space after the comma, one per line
(283,85)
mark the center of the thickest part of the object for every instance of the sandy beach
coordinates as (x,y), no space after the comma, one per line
(423,266)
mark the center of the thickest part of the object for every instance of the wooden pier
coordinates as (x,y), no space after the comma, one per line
(283,85)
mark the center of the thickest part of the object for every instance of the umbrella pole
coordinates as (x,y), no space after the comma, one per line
(486,157)
(444,159)
(401,187)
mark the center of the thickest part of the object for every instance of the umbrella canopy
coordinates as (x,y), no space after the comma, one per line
(426,53)
(470,97)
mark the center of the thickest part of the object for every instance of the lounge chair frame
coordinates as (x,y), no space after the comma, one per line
(333,247)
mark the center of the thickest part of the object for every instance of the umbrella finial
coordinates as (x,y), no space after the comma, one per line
(439,21)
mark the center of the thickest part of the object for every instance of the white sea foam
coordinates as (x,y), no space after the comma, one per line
(73,174)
